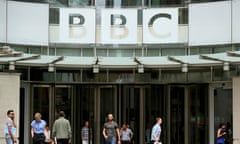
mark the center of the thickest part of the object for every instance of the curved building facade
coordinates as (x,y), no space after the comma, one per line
(136,59)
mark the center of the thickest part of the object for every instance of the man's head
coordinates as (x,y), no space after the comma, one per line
(86,124)
(10,114)
(159,120)
(38,116)
(61,114)
(110,117)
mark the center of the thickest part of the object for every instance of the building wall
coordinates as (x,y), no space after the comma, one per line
(9,99)
(236,108)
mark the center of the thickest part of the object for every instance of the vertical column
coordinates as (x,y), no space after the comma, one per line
(236,108)
(9,99)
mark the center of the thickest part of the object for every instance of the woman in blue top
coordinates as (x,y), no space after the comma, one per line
(38,130)
(221,132)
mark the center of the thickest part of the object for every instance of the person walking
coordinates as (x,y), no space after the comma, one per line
(111,131)
(156,131)
(126,134)
(221,133)
(86,133)
(38,129)
(10,128)
(61,131)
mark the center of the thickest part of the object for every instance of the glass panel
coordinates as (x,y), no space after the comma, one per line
(85,103)
(107,105)
(155,106)
(119,3)
(38,74)
(41,102)
(63,99)
(162,3)
(222,107)
(220,49)
(24,49)
(200,50)
(52,51)
(54,15)
(82,3)
(173,51)
(87,52)
(38,1)
(153,52)
(183,16)
(198,111)
(130,110)
(58,3)
(121,52)
(173,76)
(177,115)
(138,52)
(68,51)
(35,50)
(101,52)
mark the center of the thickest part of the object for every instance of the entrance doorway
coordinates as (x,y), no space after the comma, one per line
(94,103)
(189,114)
(184,109)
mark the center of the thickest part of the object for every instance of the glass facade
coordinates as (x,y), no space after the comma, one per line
(181,98)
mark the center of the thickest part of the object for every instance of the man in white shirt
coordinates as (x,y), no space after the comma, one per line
(10,128)
(156,131)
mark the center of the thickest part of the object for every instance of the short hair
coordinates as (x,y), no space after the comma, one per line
(38,115)
(61,113)
(158,118)
(9,111)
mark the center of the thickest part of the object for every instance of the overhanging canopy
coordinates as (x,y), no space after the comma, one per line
(161,62)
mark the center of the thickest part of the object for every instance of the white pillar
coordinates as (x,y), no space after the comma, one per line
(9,99)
(236,108)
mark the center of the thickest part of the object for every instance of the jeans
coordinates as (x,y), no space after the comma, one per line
(110,140)
(9,140)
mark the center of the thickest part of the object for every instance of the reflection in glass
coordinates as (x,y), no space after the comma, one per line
(155,106)
(198,120)
(63,101)
(222,107)
(130,110)
(83,3)
(41,102)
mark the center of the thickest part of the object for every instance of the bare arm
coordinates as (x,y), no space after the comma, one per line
(219,133)
(104,133)
(32,132)
(118,134)
(10,131)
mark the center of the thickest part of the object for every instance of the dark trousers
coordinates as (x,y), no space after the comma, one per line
(125,142)
(62,141)
(39,139)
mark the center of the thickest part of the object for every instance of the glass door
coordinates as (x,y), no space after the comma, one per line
(107,96)
(130,109)
(177,95)
(63,101)
(198,114)
(189,114)
(49,100)
(41,101)
(223,110)
(84,108)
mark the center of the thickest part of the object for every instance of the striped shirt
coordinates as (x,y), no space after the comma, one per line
(85,133)
(126,134)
